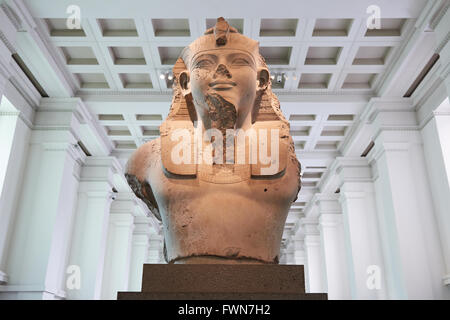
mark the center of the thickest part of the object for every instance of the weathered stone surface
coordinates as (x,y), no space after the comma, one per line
(249,278)
(222,282)
(210,202)
(219,296)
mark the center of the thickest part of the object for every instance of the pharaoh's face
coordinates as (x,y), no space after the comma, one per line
(230,74)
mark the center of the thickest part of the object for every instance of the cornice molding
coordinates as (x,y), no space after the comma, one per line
(396,59)
(337,175)
(440,14)
(17,114)
(443,43)
(12,16)
(378,105)
(330,220)
(9,113)
(155,93)
(80,111)
(7,42)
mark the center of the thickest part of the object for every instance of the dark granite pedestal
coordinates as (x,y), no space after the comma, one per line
(222,282)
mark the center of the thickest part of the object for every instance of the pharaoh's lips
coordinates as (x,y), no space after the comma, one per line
(222,85)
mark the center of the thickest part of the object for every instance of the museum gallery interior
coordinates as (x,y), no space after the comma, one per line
(93,93)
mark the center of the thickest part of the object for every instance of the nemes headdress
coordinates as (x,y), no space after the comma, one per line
(221,36)
(266,111)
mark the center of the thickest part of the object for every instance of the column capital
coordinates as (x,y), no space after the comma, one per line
(344,196)
(329,220)
(309,226)
(394,140)
(389,116)
(60,113)
(155,241)
(353,169)
(121,219)
(70,114)
(99,170)
(97,177)
(389,111)
(143,226)
(346,169)
(322,203)
(124,203)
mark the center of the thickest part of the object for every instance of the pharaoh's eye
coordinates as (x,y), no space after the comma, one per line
(204,63)
(240,62)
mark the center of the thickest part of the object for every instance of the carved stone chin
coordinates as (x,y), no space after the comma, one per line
(223,174)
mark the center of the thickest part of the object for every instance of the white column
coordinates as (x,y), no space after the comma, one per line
(139,251)
(437,146)
(290,252)
(155,254)
(91,226)
(411,245)
(299,251)
(334,255)
(360,219)
(436,135)
(314,273)
(118,250)
(14,139)
(41,232)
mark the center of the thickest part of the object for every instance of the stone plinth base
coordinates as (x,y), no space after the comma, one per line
(222,282)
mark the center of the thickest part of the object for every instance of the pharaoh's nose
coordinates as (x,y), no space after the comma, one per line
(222,71)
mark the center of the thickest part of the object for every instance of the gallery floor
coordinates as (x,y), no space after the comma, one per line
(84,83)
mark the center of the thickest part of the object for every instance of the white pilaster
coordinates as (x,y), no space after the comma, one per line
(436,143)
(91,226)
(436,135)
(360,220)
(299,250)
(155,254)
(44,215)
(334,255)
(118,251)
(413,256)
(139,251)
(314,273)
(14,139)
(290,252)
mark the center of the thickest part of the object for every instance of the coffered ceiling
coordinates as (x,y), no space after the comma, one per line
(338,55)
(325,63)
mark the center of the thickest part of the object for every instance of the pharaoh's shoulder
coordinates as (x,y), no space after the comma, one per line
(137,173)
(294,164)
(143,159)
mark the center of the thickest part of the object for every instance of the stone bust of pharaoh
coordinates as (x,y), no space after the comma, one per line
(227,200)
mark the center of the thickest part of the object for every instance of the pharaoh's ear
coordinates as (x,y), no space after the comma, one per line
(263,79)
(185,83)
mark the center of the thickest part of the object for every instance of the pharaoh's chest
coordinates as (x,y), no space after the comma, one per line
(222,188)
